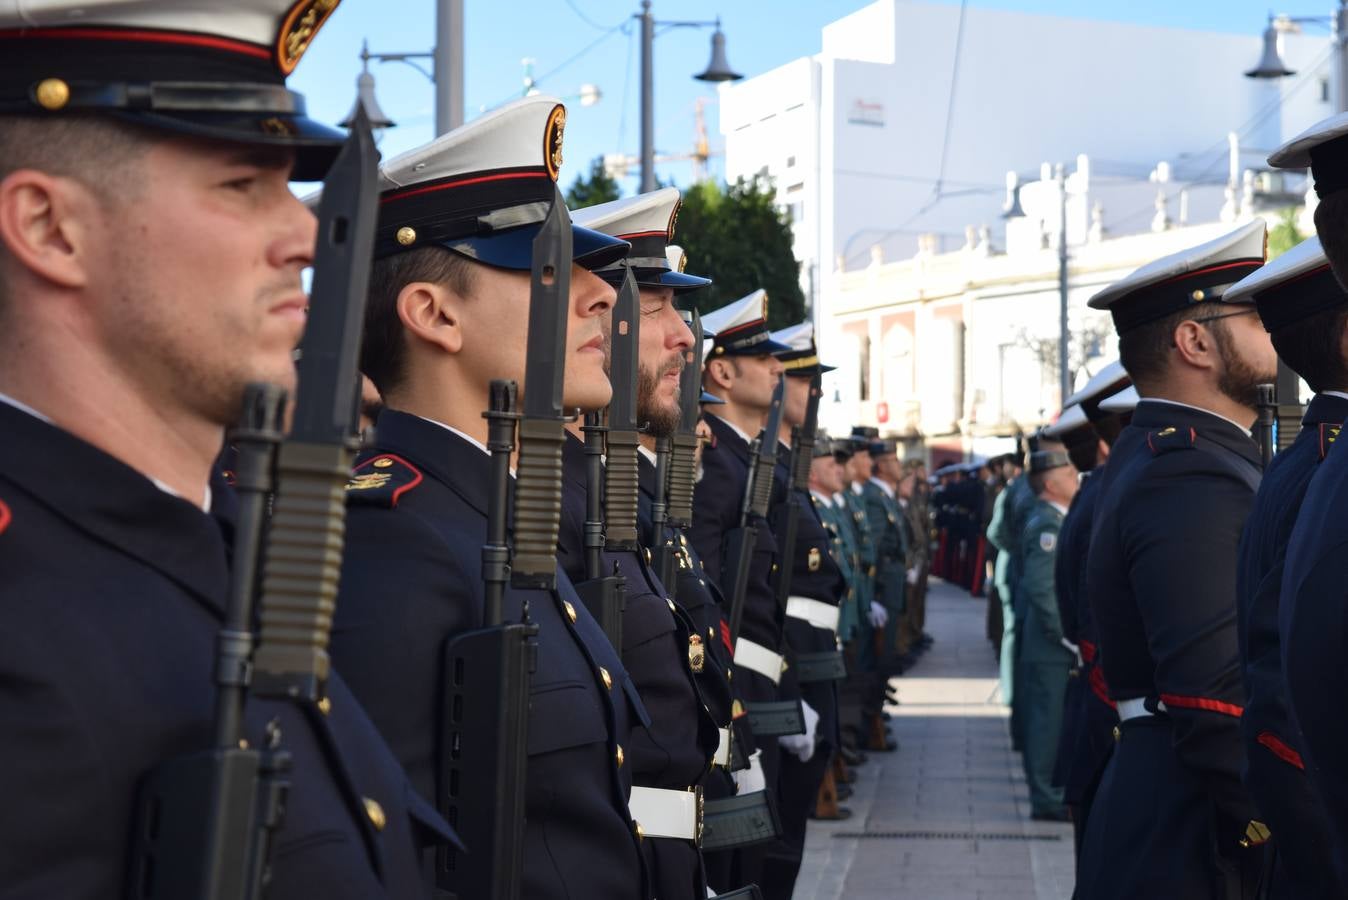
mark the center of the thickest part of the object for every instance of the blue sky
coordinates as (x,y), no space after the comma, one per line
(760,35)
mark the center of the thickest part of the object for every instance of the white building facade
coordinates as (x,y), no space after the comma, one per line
(891,149)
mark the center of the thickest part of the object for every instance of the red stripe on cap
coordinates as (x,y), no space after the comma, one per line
(642,234)
(725,331)
(5,517)
(1208,270)
(1279,749)
(1217,706)
(431,189)
(179,38)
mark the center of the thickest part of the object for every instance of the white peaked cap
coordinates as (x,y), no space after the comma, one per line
(1072,418)
(1122,402)
(1108,380)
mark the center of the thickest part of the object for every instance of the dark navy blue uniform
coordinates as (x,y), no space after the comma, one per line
(1311,629)
(1088,713)
(697,595)
(1171,811)
(814,576)
(674,750)
(716,511)
(1274,771)
(412,578)
(113,592)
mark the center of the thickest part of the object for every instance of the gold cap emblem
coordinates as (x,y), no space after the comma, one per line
(51,93)
(552,140)
(298,30)
(406,236)
(673,221)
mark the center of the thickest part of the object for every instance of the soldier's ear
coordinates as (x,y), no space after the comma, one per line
(720,373)
(431,314)
(46,224)
(1195,345)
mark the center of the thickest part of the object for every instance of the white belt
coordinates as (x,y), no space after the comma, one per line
(665,813)
(722,757)
(816,612)
(1136,709)
(757,658)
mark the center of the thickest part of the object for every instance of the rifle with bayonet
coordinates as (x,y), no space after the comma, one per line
(205,821)
(1266,408)
(798,482)
(483,781)
(676,462)
(485,705)
(606,595)
(739,543)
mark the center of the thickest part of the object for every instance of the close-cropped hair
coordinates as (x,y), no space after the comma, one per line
(1145,349)
(383,349)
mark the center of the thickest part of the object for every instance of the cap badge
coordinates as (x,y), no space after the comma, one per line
(765,306)
(683,259)
(552,140)
(298,30)
(277,126)
(51,93)
(673,221)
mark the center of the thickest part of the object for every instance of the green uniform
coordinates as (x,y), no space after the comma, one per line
(1044,662)
(838,523)
(865,592)
(891,554)
(1004,531)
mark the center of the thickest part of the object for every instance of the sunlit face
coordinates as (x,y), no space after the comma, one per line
(860,467)
(752,380)
(796,400)
(664,341)
(496,333)
(826,475)
(198,285)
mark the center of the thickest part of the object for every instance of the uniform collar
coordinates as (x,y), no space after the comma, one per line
(446,453)
(1152,413)
(732,426)
(1326,406)
(884,486)
(112,502)
(824,499)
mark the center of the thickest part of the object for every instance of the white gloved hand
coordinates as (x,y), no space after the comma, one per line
(751,779)
(879,616)
(1076,651)
(912,576)
(802,745)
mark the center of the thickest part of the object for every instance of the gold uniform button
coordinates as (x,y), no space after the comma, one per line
(620,756)
(1117,732)
(636,826)
(325,706)
(570,610)
(406,236)
(608,679)
(376,814)
(382,462)
(51,94)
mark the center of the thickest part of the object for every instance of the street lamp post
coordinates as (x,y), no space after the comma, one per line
(446,71)
(717,70)
(1271,64)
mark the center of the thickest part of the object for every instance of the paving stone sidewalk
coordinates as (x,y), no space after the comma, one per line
(947,817)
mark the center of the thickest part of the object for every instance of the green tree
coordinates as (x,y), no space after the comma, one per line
(1285,235)
(593,189)
(741,239)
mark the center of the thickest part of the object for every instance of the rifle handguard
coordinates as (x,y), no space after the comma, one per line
(538,504)
(302,571)
(682,478)
(620,491)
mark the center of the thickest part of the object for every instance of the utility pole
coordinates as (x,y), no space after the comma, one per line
(448,65)
(1064,370)
(647,97)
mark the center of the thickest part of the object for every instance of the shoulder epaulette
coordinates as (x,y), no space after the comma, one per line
(382,480)
(1165,440)
(1328,434)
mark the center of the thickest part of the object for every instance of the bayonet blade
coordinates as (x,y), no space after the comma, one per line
(549,300)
